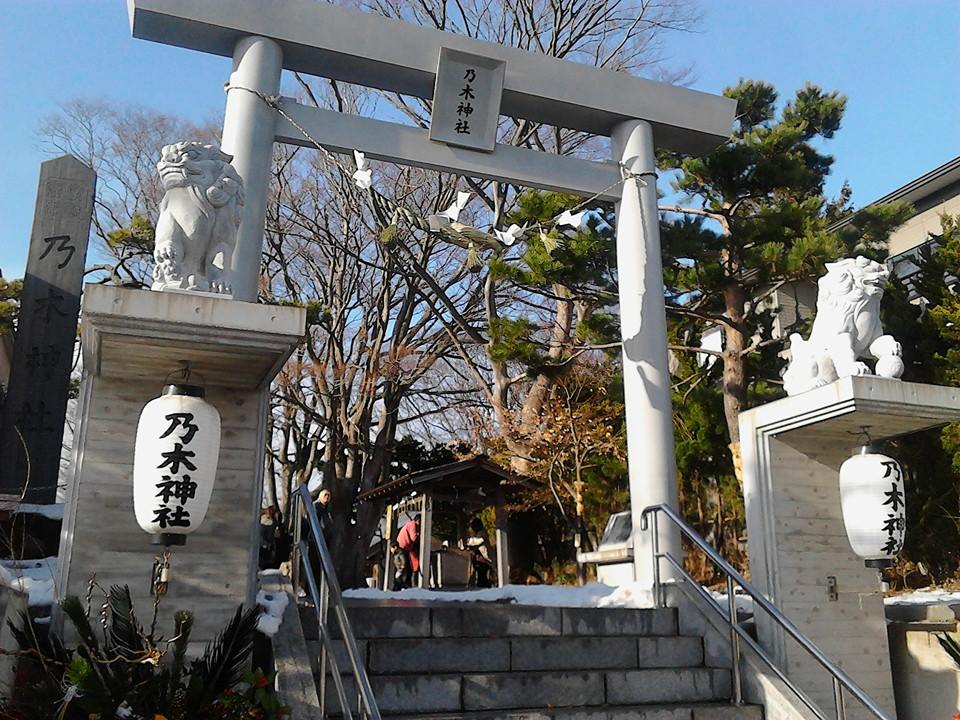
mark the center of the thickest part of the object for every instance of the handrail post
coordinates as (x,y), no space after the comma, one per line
(838,699)
(328,574)
(326,650)
(655,549)
(323,608)
(734,644)
(322,615)
(841,680)
(296,506)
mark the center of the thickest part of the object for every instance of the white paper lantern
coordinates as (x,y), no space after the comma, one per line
(175,462)
(874,509)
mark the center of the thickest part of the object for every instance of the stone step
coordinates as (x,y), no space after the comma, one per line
(702,711)
(438,693)
(470,655)
(498,621)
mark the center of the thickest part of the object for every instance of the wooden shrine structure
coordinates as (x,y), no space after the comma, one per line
(464,488)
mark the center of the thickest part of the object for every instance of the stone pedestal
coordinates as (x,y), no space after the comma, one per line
(792,452)
(131,341)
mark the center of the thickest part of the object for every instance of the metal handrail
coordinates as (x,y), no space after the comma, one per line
(737,634)
(326,594)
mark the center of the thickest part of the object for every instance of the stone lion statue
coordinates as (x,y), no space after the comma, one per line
(847,327)
(199,215)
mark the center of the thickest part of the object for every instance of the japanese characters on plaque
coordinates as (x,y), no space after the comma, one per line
(895,523)
(466,100)
(31,424)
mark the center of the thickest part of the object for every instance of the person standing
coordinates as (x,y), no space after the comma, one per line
(409,542)
(322,506)
(269,538)
(478,544)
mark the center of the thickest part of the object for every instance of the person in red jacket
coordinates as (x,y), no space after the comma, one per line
(409,542)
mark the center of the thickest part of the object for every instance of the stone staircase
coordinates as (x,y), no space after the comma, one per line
(490,660)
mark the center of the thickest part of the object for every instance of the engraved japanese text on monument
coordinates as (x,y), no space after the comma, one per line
(31,431)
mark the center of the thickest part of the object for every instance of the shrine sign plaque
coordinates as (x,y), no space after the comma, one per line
(31,432)
(466,100)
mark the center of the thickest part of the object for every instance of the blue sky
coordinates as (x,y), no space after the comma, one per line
(896,61)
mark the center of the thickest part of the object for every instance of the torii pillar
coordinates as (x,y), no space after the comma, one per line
(328,41)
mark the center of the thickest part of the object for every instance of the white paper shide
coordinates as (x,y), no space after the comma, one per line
(847,328)
(175,461)
(874,507)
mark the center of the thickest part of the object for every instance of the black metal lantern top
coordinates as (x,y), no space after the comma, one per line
(183,389)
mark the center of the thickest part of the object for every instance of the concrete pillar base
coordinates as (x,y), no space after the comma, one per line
(792,452)
(131,341)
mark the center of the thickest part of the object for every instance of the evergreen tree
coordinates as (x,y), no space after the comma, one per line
(928,328)
(754,217)
(9,304)
(707,486)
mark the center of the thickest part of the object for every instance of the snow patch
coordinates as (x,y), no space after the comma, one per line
(273,603)
(35,578)
(52,512)
(927,596)
(591,595)
(268,624)
(743,602)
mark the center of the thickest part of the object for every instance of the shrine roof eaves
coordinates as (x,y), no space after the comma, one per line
(480,469)
(366,49)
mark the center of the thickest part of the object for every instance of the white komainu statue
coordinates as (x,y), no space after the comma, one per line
(199,214)
(847,327)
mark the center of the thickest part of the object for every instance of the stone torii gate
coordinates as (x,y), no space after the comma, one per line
(320,39)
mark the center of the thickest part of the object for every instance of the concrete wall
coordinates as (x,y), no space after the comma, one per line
(211,573)
(792,450)
(925,679)
(132,340)
(918,228)
(809,544)
(760,685)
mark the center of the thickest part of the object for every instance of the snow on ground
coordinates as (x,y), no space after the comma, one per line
(927,596)
(743,602)
(590,595)
(33,577)
(272,605)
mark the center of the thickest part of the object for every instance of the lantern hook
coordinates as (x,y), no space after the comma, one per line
(184,372)
(863,431)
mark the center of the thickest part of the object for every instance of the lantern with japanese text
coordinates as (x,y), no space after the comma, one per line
(175,462)
(874,511)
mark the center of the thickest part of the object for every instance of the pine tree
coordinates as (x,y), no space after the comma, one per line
(753,217)
(9,304)
(928,331)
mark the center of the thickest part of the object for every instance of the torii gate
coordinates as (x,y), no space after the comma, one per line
(264,37)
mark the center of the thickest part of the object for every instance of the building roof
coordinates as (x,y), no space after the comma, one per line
(464,475)
(925,185)
(918,190)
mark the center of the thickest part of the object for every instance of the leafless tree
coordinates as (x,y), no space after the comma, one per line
(376,332)
(620,35)
(399,328)
(122,144)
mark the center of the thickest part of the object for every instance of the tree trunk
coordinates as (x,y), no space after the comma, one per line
(559,341)
(734,369)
